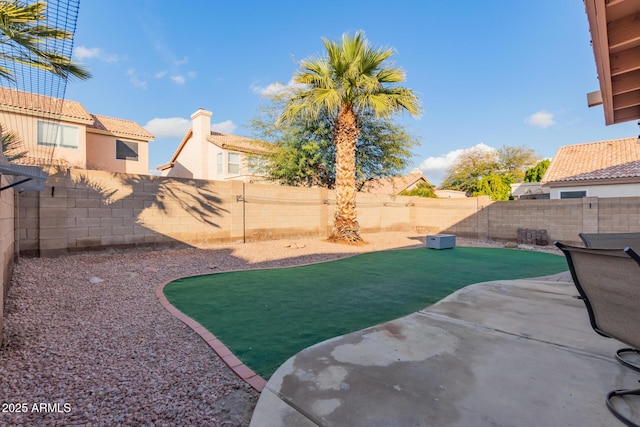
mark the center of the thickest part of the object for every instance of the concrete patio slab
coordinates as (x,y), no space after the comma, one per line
(504,353)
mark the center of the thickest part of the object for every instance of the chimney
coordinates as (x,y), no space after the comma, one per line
(201,126)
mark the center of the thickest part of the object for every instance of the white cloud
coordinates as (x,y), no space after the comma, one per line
(435,168)
(542,119)
(179,79)
(225,127)
(177,127)
(83,52)
(161,74)
(172,127)
(276,88)
(135,80)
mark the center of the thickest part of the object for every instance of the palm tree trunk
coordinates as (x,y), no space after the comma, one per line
(345,227)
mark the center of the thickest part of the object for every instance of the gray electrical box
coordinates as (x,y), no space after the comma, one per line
(441,241)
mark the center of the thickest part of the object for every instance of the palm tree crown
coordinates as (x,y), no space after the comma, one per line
(351,74)
(25,38)
(352,78)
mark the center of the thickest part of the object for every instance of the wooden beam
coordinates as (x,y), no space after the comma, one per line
(626,100)
(624,33)
(627,114)
(597,16)
(625,61)
(627,82)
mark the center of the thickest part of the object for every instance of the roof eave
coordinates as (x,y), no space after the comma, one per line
(599,181)
(142,138)
(46,115)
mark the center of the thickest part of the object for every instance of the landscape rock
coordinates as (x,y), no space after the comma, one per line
(526,247)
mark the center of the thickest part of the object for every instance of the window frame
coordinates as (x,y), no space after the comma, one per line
(136,150)
(230,163)
(60,131)
(220,163)
(573,194)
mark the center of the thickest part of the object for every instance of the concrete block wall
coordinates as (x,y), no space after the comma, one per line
(378,212)
(272,212)
(617,214)
(563,219)
(82,210)
(463,217)
(7,228)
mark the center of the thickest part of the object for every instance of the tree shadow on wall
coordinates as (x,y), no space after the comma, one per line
(169,195)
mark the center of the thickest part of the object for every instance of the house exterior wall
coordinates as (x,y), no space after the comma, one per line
(26,127)
(189,166)
(101,155)
(605,190)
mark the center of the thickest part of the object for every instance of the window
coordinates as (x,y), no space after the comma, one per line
(126,150)
(257,165)
(57,135)
(573,194)
(234,163)
(219,164)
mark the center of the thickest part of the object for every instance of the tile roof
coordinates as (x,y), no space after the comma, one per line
(119,127)
(225,141)
(393,184)
(239,143)
(613,159)
(32,103)
(35,104)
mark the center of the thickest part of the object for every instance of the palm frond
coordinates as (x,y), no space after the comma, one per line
(12,146)
(24,32)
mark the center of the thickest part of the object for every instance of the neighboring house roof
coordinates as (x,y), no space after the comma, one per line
(226,142)
(239,143)
(119,127)
(16,101)
(613,161)
(394,184)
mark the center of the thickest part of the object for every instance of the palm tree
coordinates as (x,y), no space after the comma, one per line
(351,79)
(24,39)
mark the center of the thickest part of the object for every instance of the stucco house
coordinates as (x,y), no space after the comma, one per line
(529,191)
(207,154)
(597,169)
(62,132)
(396,184)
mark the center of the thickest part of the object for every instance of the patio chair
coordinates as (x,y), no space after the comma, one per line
(608,281)
(611,240)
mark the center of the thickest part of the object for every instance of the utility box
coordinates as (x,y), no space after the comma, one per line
(441,241)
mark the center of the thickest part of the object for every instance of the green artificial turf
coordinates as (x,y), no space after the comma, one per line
(267,316)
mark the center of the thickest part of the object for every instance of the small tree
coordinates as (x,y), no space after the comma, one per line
(469,168)
(423,189)
(514,161)
(498,187)
(536,173)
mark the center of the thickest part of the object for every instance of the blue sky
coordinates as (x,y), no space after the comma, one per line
(500,72)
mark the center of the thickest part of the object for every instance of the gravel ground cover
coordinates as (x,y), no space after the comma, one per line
(87,343)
